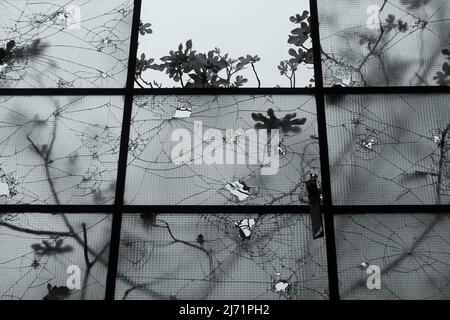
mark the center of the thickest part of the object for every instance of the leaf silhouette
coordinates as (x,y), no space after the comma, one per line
(56,293)
(286,124)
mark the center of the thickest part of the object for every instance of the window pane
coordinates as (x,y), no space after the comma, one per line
(178,256)
(218,150)
(274,36)
(412,252)
(385,43)
(77,43)
(59,150)
(389,149)
(40,250)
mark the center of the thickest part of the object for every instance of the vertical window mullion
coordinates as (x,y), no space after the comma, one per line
(324,158)
(123,157)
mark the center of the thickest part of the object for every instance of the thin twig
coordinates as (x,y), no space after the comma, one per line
(36,232)
(85,247)
(256,74)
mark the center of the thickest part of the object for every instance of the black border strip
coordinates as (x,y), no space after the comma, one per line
(123,158)
(324,160)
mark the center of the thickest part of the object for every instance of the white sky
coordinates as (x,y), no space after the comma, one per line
(238,27)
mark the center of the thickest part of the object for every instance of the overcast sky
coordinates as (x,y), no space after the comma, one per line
(238,27)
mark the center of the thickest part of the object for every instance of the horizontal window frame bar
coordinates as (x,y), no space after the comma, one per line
(390,209)
(218,209)
(69,208)
(222,91)
(64,92)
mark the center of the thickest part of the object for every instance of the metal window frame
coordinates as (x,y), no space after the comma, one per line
(319,92)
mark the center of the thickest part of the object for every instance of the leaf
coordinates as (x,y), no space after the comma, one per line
(301,121)
(298,40)
(196,78)
(293,53)
(10,45)
(144,28)
(283,68)
(57,293)
(446,52)
(299,18)
(402,26)
(240,81)
(446,67)
(390,19)
(189,45)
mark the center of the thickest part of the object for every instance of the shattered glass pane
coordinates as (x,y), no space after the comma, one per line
(59,150)
(411,251)
(188,257)
(42,256)
(226,151)
(389,149)
(385,43)
(64,44)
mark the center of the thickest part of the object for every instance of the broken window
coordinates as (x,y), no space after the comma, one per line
(164,260)
(43,256)
(410,249)
(59,150)
(78,44)
(230,172)
(389,149)
(385,43)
